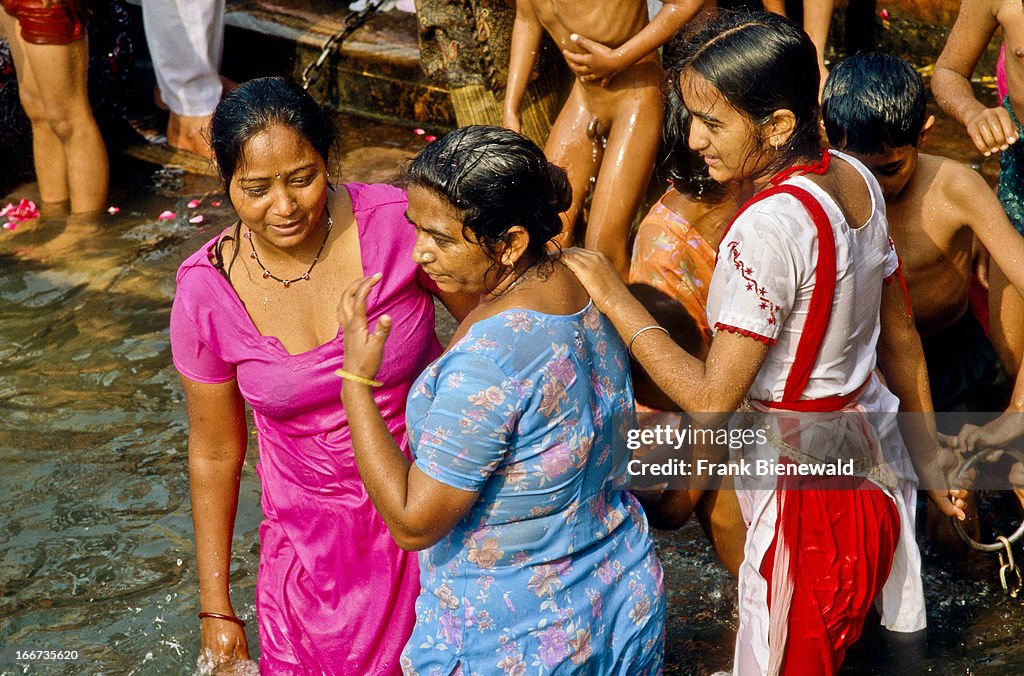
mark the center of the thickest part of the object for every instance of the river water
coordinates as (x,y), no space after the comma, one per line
(95,534)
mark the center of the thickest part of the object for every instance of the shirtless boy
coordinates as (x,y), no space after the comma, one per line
(992,130)
(609,128)
(873,106)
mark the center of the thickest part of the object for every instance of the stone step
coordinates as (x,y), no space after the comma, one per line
(375,73)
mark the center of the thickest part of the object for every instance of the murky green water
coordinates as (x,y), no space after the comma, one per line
(95,533)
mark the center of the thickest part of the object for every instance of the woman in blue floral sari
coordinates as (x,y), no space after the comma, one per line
(534,560)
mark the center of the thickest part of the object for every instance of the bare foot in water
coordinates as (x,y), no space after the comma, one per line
(187,132)
(77,239)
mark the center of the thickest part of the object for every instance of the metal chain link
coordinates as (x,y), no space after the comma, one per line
(351,23)
(960,479)
(1009,573)
(1007,565)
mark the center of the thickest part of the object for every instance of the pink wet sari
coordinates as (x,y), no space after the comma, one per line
(334,593)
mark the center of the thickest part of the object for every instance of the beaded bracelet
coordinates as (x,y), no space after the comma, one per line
(221,616)
(629,346)
(358,379)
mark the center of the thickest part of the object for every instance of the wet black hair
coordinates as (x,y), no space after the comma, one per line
(251,108)
(760,62)
(873,103)
(257,105)
(685,169)
(495,179)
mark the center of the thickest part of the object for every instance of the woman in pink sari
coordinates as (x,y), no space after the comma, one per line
(255,322)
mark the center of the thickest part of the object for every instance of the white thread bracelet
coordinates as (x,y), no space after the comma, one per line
(629,345)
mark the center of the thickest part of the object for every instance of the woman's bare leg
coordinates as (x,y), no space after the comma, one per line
(70,156)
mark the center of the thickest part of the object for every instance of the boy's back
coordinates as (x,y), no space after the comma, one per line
(930,225)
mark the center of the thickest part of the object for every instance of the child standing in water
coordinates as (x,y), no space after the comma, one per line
(676,242)
(992,130)
(874,108)
(608,129)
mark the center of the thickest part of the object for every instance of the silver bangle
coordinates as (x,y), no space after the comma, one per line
(629,345)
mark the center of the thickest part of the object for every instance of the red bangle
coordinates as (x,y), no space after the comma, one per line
(221,616)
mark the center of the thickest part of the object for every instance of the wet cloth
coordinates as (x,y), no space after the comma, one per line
(553,569)
(334,593)
(671,256)
(964,370)
(763,286)
(1010,187)
(186,40)
(60,23)
(1002,85)
(835,590)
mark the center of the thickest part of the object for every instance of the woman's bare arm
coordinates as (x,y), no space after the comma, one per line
(216,450)
(418,509)
(714,388)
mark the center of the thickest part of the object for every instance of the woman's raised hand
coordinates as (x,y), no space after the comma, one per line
(364,349)
(597,275)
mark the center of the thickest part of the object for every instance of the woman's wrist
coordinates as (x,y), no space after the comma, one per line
(351,376)
(228,617)
(218,601)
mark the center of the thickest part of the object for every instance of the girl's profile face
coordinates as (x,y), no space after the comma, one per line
(724,137)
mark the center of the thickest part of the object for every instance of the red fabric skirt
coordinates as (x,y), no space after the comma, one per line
(842,537)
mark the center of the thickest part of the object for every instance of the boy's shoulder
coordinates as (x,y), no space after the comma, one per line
(944,178)
(951,193)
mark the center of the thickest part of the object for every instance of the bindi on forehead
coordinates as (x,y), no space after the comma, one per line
(275,152)
(257,175)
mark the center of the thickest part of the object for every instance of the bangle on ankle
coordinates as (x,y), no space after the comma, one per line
(658,327)
(221,616)
(358,379)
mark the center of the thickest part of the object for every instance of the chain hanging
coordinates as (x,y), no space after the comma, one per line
(1007,565)
(351,23)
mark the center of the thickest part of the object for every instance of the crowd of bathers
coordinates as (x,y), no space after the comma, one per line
(808,273)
